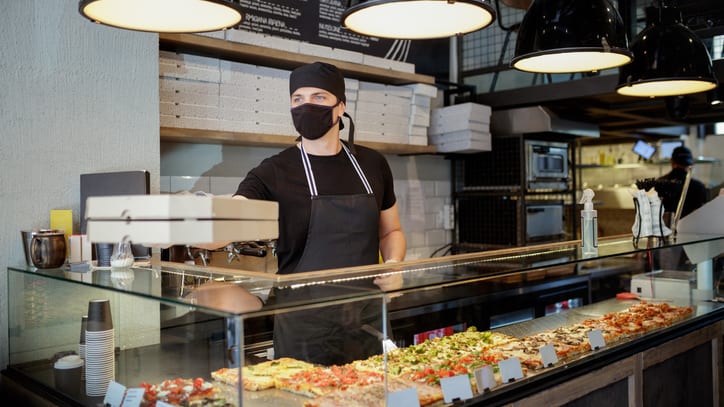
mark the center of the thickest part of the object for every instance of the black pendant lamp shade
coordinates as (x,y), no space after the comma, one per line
(669,59)
(417,19)
(169,16)
(559,36)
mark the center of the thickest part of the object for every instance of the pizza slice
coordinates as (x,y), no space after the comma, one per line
(322,380)
(182,392)
(375,394)
(262,375)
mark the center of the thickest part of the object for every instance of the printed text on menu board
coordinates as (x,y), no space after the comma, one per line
(313,21)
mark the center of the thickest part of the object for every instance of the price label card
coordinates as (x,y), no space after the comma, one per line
(484,379)
(510,370)
(134,397)
(403,398)
(114,394)
(456,388)
(548,355)
(595,339)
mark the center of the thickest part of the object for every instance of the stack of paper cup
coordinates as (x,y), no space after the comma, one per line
(100,366)
(81,343)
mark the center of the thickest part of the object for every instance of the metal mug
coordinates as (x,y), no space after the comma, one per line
(48,249)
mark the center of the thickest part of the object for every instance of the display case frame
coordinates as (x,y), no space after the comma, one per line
(428,287)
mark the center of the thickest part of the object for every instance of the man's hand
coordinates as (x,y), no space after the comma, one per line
(226,297)
(390,282)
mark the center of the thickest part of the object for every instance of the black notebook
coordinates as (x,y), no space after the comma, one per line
(110,184)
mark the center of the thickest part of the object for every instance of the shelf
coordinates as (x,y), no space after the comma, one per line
(253,54)
(644,164)
(197,136)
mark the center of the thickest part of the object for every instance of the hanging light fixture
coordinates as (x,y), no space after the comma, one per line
(669,59)
(560,36)
(417,19)
(169,16)
(715,97)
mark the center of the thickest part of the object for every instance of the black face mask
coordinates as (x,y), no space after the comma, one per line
(313,121)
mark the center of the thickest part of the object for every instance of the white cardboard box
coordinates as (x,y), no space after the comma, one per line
(185,85)
(448,125)
(460,136)
(188,98)
(423,89)
(167,207)
(188,110)
(465,146)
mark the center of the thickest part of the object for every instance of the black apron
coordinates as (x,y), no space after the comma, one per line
(343,232)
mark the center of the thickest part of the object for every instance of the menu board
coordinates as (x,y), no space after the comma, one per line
(316,22)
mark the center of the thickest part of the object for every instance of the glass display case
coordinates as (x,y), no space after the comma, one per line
(166,325)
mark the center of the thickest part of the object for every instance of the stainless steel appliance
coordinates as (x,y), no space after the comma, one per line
(544,221)
(546,165)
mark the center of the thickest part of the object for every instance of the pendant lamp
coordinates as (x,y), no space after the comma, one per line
(417,19)
(561,36)
(168,16)
(669,59)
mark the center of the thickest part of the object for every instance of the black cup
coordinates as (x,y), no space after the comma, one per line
(83,328)
(103,254)
(99,316)
(67,374)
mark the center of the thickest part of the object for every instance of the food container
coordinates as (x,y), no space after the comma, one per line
(48,248)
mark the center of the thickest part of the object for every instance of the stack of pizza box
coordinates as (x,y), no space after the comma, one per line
(210,94)
(422,99)
(254,99)
(189,91)
(462,128)
(383,112)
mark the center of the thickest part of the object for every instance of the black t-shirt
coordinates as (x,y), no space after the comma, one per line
(281,178)
(670,186)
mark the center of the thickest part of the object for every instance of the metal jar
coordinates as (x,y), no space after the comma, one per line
(48,249)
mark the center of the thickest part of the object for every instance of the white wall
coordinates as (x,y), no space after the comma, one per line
(422,184)
(76,98)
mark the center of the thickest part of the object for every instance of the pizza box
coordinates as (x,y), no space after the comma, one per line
(466,109)
(438,126)
(463,146)
(423,89)
(182,231)
(459,136)
(179,219)
(188,86)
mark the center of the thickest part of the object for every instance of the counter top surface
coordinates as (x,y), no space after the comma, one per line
(174,281)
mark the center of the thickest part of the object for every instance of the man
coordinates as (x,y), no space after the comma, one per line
(671,184)
(337,208)
(670,187)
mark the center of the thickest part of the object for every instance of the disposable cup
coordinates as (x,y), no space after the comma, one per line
(99,316)
(83,328)
(103,254)
(27,240)
(67,374)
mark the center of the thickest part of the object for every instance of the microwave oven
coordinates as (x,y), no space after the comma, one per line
(546,165)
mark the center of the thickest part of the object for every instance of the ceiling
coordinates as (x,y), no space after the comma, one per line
(594,99)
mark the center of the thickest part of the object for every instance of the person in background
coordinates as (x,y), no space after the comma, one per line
(670,187)
(337,208)
(671,184)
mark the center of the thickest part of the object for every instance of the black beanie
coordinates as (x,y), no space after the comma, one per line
(682,156)
(318,75)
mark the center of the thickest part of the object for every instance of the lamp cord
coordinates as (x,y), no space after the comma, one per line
(500,19)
